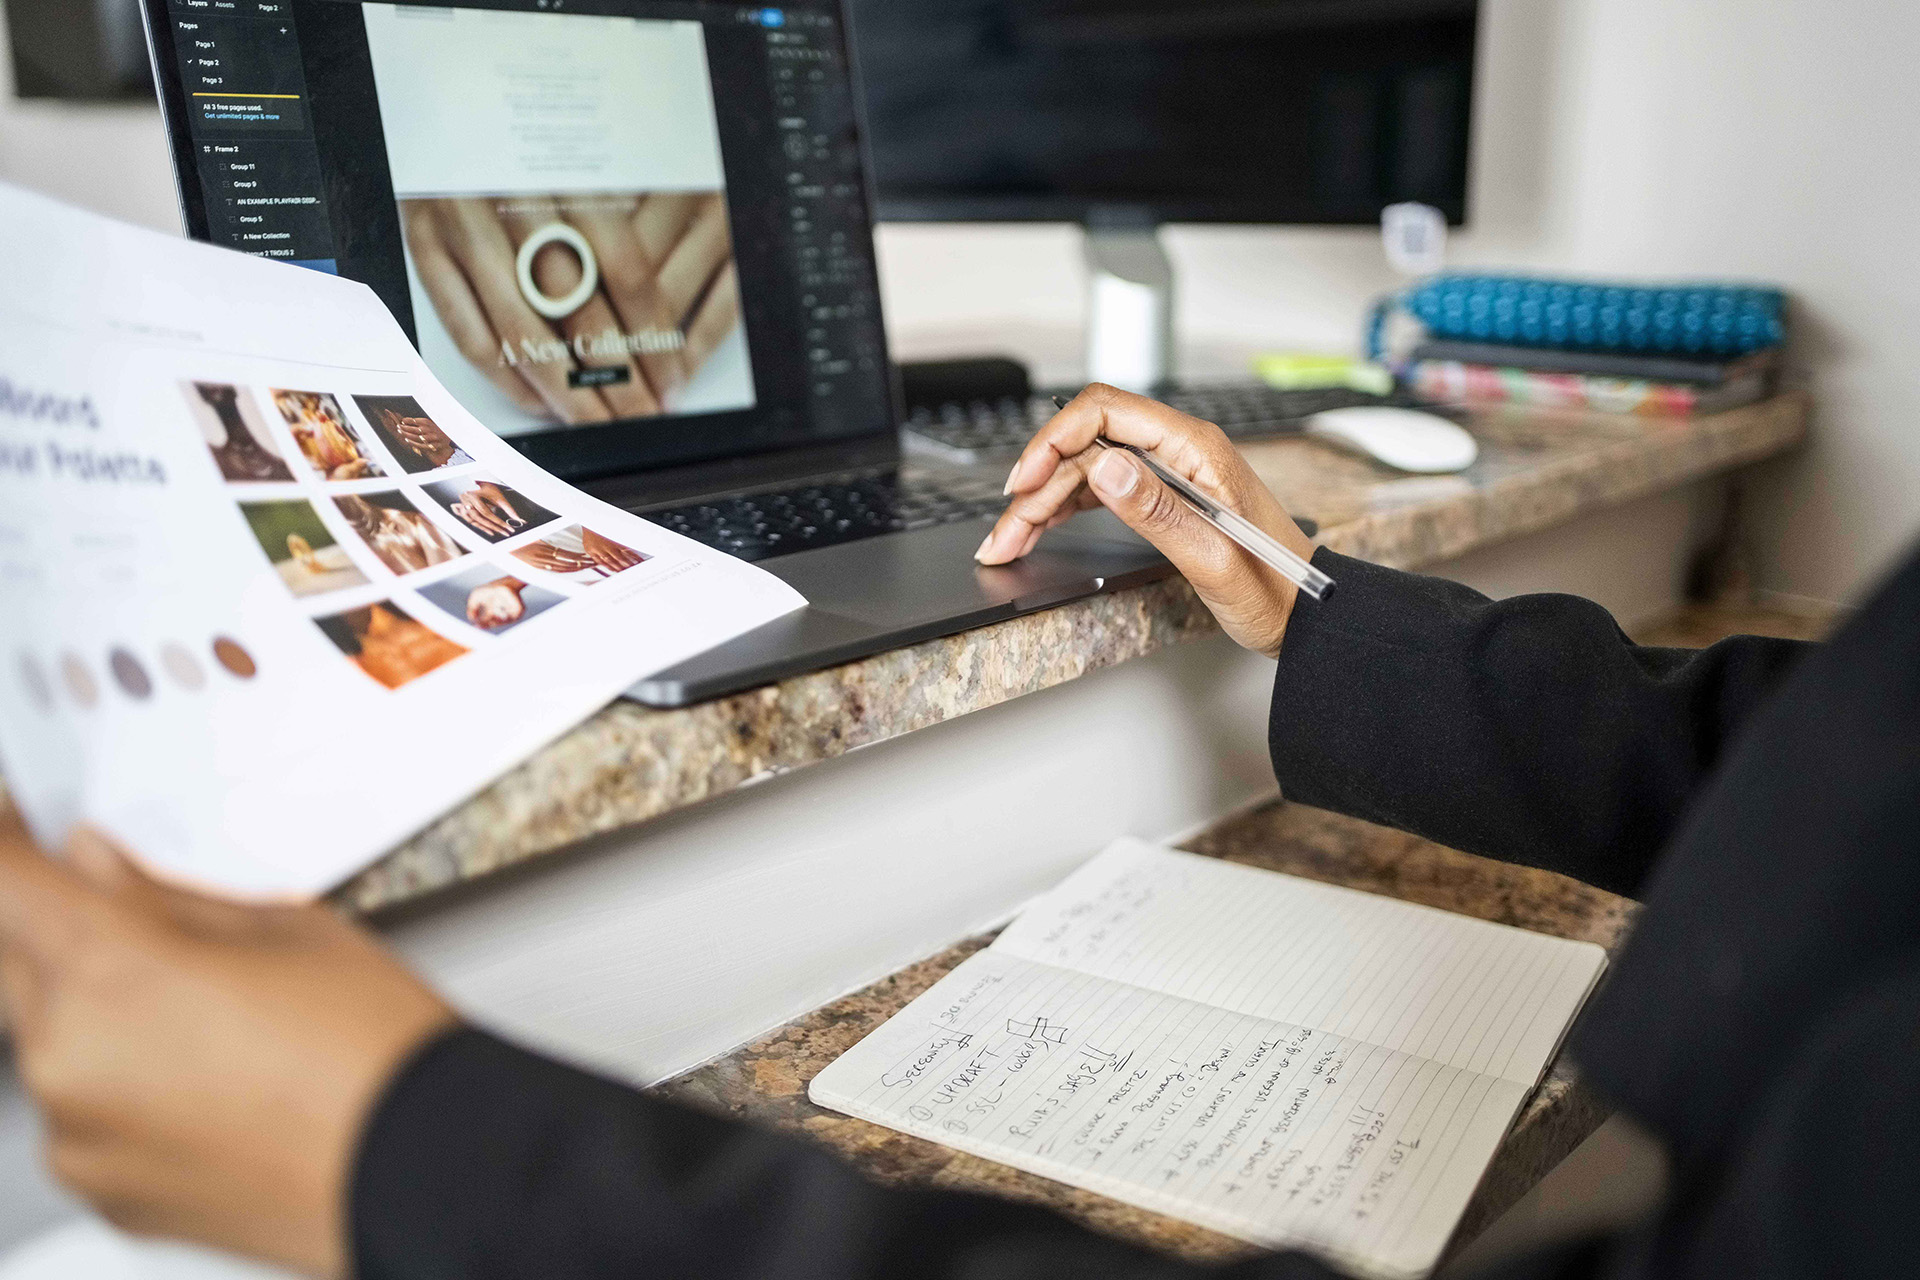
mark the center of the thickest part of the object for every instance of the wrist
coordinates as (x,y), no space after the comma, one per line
(1293,538)
(403,1052)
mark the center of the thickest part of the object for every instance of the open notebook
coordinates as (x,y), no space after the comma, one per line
(1284,1061)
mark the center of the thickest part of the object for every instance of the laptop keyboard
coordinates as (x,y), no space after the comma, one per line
(983,430)
(759,526)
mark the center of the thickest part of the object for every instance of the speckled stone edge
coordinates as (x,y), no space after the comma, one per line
(628,764)
(766,1082)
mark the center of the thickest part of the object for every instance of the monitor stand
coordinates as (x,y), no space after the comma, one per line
(1129,308)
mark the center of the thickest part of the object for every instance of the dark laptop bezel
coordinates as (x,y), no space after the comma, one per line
(162,56)
(595,454)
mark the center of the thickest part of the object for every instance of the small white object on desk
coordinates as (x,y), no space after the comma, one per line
(1405,439)
(1416,238)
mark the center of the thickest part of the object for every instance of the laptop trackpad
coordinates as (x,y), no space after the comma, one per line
(931,574)
(881,593)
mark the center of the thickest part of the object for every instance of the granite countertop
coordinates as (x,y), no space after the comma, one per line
(766,1082)
(629,763)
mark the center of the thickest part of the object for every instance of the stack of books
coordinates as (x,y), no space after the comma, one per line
(1659,386)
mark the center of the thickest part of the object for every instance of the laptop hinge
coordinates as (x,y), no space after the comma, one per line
(678,485)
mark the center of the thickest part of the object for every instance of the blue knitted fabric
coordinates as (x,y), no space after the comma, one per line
(1704,320)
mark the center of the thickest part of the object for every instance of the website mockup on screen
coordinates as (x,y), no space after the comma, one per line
(630,234)
(562,172)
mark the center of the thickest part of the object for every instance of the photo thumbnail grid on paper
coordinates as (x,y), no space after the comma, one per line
(576,554)
(302,550)
(487,598)
(388,643)
(342,470)
(396,531)
(236,433)
(322,433)
(487,507)
(411,436)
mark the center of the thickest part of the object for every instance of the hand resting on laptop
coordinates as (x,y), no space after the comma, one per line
(1060,473)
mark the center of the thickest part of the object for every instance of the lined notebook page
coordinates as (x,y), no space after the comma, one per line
(1468,993)
(1273,1133)
(1286,1062)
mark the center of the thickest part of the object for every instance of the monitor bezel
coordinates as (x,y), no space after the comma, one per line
(1134,214)
(172,95)
(1100,215)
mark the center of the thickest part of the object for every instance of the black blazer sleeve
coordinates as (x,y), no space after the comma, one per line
(1529,729)
(485,1162)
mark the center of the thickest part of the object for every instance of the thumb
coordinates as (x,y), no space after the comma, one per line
(42,904)
(1205,556)
(110,870)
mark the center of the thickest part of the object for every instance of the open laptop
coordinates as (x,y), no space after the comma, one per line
(634,237)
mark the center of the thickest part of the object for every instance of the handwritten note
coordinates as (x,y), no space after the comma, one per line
(1127,1035)
(1475,995)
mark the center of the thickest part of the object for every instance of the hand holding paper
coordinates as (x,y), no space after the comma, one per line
(265,572)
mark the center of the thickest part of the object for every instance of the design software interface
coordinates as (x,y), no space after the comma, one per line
(590,217)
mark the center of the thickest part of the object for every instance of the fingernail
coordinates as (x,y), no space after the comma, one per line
(984,544)
(1114,476)
(1011,475)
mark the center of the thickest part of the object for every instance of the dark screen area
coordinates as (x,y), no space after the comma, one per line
(1312,111)
(353,165)
(78,50)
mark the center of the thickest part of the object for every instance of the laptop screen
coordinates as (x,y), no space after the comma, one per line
(624,233)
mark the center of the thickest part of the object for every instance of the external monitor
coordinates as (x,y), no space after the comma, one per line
(79,51)
(1137,112)
(626,233)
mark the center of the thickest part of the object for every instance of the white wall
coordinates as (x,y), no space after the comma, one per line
(1765,139)
(1774,138)
(108,157)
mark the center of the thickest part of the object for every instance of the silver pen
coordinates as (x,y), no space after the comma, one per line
(1254,539)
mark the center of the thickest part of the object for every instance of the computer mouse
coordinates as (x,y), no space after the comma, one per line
(1406,439)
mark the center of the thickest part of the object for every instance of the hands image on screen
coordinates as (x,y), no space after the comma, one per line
(580,309)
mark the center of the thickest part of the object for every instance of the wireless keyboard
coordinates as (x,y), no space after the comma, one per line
(985,431)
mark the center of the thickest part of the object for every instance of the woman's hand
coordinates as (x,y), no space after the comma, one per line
(609,556)
(205,1069)
(424,437)
(544,555)
(1061,471)
(486,510)
(496,604)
